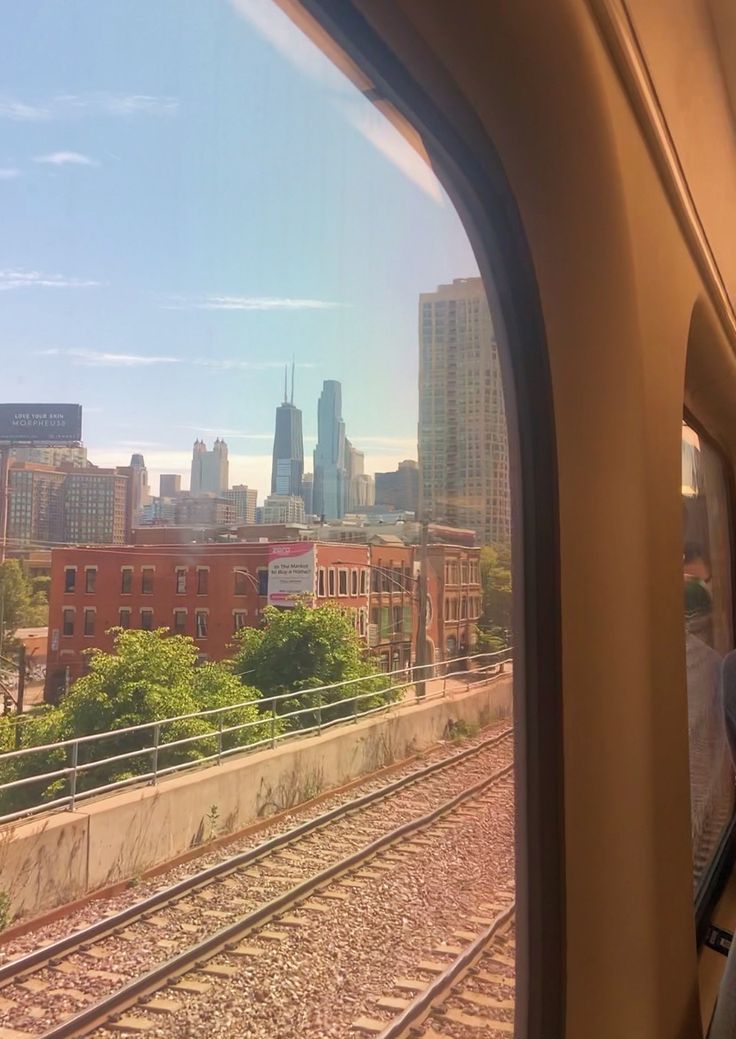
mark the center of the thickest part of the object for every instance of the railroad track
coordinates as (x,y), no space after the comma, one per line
(72,955)
(474,991)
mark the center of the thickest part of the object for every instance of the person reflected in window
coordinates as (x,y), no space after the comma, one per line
(704,704)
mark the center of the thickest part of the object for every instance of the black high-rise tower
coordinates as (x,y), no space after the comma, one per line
(288,446)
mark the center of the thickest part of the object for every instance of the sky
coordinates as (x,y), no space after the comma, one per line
(191,195)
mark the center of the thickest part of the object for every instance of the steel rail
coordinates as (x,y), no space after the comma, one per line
(96,1015)
(40,958)
(405,1023)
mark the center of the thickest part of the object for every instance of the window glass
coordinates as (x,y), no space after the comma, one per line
(290,383)
(708,639)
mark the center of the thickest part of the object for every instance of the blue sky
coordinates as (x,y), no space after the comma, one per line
(190,195)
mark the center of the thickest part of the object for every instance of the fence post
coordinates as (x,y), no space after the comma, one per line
(273,724)
(355,709)
(319,713)
(73,777)
(219,739)
(156,736)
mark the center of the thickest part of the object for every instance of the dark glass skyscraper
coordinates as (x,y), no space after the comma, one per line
(288,447)
(329,455)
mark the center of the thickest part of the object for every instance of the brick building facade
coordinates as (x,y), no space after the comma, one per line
(209,591)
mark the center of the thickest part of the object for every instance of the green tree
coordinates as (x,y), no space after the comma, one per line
(495,576)
(302,648)
(150,675)
(15,595)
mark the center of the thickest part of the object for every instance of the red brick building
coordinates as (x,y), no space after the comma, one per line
(209,591)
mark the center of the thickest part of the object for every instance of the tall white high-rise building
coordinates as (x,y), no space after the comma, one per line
(463,445)
(209,468)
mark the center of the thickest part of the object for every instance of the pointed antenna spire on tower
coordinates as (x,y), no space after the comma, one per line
(293,365)
(286,376)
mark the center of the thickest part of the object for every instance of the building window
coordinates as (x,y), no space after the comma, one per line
(201,622)
(146,620)
(241,582)
(70,578)
(67,622)
(147,580)
(126,580)
(90,579)
(239,619)
(181,580)
(376,579)
(342,582)
(180,622)
(124,617)
(263,582)
(331,581)
(89,621)
(321,582)
(363,581)
(203,580)
(353,582)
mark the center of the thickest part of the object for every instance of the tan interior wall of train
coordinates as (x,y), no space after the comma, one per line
(618,288)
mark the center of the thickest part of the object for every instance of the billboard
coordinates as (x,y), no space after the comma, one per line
(291,572)
(40,423)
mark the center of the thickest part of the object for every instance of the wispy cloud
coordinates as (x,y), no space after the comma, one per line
(18,279)
(104,359)
(278,29)
(9,173)
(94,359)
(74,106)
(66,159)
(249,303)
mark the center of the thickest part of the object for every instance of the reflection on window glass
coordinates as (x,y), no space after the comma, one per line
(708,638)
(288,511)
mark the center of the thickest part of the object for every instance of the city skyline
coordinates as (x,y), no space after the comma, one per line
(108,163)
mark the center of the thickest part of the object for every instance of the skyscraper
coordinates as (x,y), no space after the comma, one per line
(463,447)
(139,491)
(307,493)
(209,468)
(329,454)
(287,468)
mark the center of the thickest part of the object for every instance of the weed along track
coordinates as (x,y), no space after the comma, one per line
(88,977)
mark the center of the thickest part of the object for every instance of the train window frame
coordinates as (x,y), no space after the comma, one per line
(471,170)
(723,861)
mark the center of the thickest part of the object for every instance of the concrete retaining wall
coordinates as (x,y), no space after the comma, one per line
(49,861)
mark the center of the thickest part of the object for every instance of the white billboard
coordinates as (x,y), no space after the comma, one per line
(291,572)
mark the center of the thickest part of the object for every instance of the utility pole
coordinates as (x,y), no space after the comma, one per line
(421,654)
(21,691)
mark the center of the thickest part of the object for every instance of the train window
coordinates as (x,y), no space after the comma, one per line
(289,366)
(708,609)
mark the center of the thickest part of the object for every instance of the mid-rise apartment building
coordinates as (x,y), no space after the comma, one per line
(243,499)
(399,489)
(463,446)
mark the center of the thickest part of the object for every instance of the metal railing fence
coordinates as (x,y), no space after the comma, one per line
(270,723)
